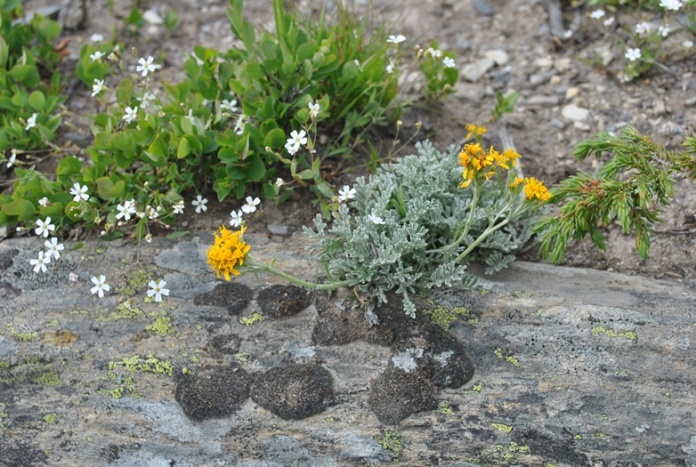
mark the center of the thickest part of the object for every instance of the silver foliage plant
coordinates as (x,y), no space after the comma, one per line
(397,232)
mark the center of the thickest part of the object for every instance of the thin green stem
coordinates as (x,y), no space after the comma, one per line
(257,266)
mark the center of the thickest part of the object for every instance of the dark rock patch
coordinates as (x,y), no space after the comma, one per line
(21,454)
(394,324)
(338,324)
(396,394)
(213,392)
(278,301)
(227,344)
(6,258)
(7,292)
(294,392)
(231,295)
(560,451)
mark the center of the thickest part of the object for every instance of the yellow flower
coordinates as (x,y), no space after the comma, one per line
(511,155)
(227,252)
(536,189)
(474,131)
(516,182)
(468,176)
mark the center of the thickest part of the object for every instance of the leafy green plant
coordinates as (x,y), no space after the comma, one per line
(414,225)
(629,190)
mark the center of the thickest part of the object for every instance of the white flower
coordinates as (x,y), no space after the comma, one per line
(632,54)
(664,31)
(375,219)
(31,122)
(236,218)
(97,87)
(279,182)
(609,21)
(157,289)
(72,277)
(643,28)
(53,248)
(147,100)
(12,159)
(100,285)
(688,44)
(179,208)
(44,227)
(239,126)
(96,38)
(292,147)
(313,110)
(357,63)
(251,204)
(43,201)
(396,39)
(229,106)
(147,66)
(131,114)
(79,192)
(435,53)
(346,193)
(96,55)
(40,263)
(126,209)
(295,141)
(597,14)
(449,62)
(200,203)
(391,66)
(674,5)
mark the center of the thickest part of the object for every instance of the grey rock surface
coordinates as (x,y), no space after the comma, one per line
(572,367)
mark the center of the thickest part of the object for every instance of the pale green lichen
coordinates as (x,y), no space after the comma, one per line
(253,319)
(444,408)
(501,427)
(242,357)
(391,442)
(602,331)
(508,358)
(162,326)
(48,378)
(134,282)
(50,418)
(150,364)
(22,336)
(124,310)
(475,389)
(444,317)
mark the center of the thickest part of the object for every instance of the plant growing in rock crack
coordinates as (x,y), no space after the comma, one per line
(629,189)
(413,225)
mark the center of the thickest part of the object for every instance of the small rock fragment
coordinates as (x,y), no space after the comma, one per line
(499,57)
(575,113)
(483,7)
(474,71)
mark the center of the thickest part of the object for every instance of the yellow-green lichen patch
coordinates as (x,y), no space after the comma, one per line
(47,378)
(391,442)
(253,319)
(242,357)
(50,418)
(124,310)
(21,336)
(162,326)
(508,358)
(602,331)
(475,389)
(444,317)
(134,282)
(149,364)
(501,427)
(444,408)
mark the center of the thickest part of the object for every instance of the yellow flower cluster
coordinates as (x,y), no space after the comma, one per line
(474,130)
(535,189)
(227,252)
(479,164)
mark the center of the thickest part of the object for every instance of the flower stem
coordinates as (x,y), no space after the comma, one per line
(257,266)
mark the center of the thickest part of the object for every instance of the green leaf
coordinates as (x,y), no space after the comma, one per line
(177,234)
(157,152)
(108,189)
(275,138)
(48,28)
(256,168)
(22,209)
(27,75)
(68,169)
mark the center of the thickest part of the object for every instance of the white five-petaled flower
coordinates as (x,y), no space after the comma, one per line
(96,37)
(96,55)
(313,110)
(251,204)
(53,248)
(126,209)
(392,39)
(146,66)
(435,53)
(31,122)
(375,219)
(228,106)
(597,14)
(157,289)
(147,100)
(295,141)
(200,203)
(12,159)
(97,87)
(100,285)
(236,218)
(279,182)
(609,21)
(674,5)
(179,208)
(44,227)
(40,263)
(664,31)
(632,54)
(79,192)
(449,62)
(346,193)
(131,114)
(239,126)
(643,28)
(43,201)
